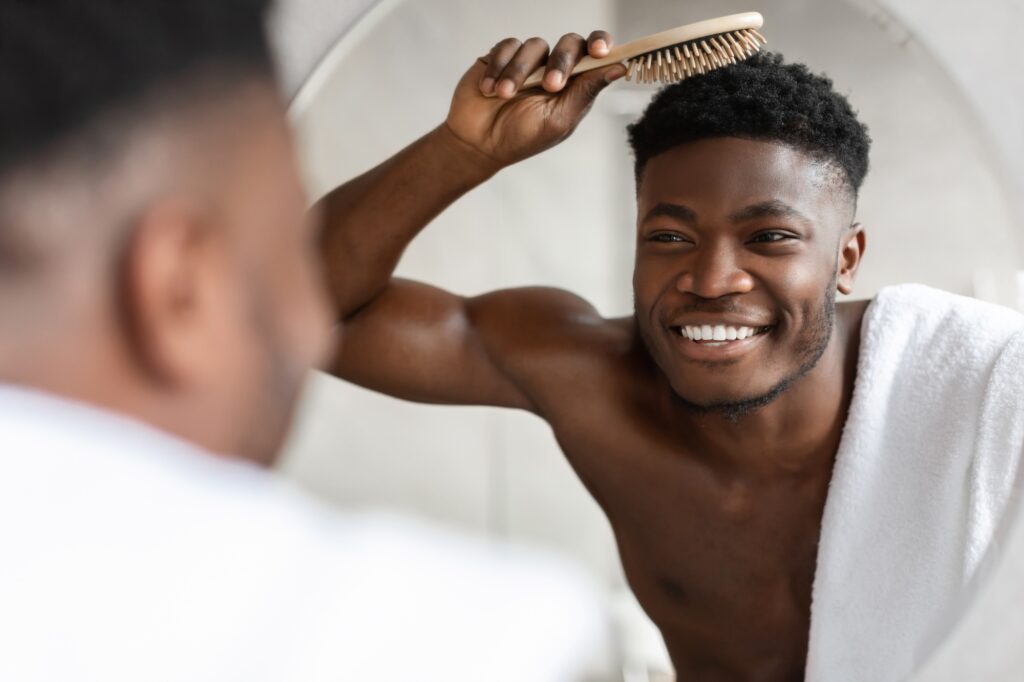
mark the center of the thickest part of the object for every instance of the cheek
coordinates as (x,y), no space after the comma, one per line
(651,277)
(302,308)
(802,278)
(233,351)
(800,288)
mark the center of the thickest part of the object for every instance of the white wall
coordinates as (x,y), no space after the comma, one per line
(977,46)
(304,31)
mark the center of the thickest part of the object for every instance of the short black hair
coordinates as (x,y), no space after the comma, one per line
(64,64)
(760,98)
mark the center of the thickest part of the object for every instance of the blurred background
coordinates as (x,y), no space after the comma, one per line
(940,86)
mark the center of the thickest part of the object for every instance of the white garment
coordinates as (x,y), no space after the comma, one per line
(922,479)
(128,555)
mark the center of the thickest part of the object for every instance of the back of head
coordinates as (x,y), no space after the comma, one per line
(145,172)
(761,98)
(65,63)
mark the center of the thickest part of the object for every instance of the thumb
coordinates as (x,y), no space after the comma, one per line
(581,92)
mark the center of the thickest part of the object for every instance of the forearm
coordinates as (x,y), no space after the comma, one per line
(370,220)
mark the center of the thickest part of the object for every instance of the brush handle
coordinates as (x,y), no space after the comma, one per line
(658,41)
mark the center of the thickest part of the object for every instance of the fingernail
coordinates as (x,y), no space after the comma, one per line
(554,78)
(599,45)
(487,85)
(507,87)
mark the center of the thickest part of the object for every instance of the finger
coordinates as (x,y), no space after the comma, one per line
(530,57)
(564,56)
(497,59)
(584,88)
(476,72)
(599,44)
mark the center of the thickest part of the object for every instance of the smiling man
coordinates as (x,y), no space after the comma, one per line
(707,424)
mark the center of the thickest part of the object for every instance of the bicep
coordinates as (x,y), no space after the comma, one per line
(420,343)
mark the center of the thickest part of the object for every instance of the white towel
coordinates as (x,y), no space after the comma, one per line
(923,475)
(984,639)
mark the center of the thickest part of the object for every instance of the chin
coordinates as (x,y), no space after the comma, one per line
(732,402)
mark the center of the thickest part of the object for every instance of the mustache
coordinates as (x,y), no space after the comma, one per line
(725,305)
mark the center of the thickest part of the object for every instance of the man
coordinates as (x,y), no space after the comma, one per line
(707,424)
(160,305)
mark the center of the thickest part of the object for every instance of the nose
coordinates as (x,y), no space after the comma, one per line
(712,271)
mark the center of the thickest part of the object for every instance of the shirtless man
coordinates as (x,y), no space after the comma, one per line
(706,424)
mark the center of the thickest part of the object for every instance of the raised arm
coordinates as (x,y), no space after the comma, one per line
(419,342)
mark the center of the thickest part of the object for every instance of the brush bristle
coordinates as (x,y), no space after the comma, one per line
(678,62)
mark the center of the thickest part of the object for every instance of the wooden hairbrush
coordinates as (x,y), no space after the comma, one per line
(677,54)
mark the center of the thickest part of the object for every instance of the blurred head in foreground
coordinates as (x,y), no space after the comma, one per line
(155,255)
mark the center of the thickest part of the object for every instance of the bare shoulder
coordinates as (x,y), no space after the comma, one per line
(550,340)
(547,319)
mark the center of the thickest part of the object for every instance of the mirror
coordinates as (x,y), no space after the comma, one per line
(937,206)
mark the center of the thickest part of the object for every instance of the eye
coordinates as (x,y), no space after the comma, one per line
(667,237)
(770,237)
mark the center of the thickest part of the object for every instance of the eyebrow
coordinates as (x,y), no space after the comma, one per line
(765,209)
(678,211)
(768,209)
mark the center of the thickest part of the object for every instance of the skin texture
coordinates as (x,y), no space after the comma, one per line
(715,499)
(184,267)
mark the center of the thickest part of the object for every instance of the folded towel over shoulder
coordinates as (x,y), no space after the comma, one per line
(924,473)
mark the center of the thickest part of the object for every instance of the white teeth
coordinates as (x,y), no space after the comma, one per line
(718,332)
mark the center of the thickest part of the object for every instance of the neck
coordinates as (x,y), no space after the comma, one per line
(73,368)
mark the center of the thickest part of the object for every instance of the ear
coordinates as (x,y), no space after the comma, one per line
(851,251)
(165,272)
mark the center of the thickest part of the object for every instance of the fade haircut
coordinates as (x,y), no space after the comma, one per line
(77,76)
(64,63)
(761,98)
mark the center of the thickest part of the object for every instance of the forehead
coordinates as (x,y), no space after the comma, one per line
(724,174)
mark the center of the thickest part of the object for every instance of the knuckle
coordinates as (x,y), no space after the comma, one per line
(560,61)
(536,43)
(572,38)
(517,70)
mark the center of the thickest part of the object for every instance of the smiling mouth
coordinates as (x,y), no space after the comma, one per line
(718,335)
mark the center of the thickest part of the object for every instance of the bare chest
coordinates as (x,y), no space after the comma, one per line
(725,571)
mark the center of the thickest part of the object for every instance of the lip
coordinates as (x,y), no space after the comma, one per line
(697,321)
(729,350)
